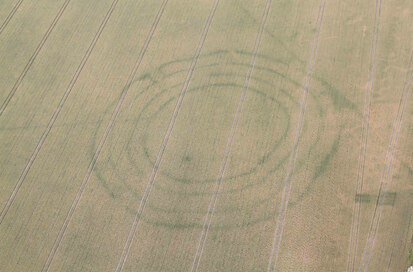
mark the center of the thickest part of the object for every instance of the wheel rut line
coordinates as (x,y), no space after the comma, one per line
(213,200)
(154,172)
(33,58)
(385,178)
(355,226)
(102,141)
(394,243)
(39,145)
(10,16)
(273,258)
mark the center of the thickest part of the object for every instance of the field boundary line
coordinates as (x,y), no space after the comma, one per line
(378,209)
(401,240)
(102,141)
(32,58)
(11,14)
(355,224)
(33,157)
(279,228)
(214,197)
(154,172)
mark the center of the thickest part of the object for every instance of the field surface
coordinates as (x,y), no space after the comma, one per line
(206,135)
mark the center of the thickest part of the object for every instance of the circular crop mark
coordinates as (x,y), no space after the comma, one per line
(261,148)
(192,158)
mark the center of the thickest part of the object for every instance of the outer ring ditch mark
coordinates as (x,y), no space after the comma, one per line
(165,65)
(153,81)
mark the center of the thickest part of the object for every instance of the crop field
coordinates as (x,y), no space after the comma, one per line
(206,135)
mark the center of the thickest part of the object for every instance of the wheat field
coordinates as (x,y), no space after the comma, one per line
(195,135)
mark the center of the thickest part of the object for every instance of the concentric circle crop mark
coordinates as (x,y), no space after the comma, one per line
(138,150)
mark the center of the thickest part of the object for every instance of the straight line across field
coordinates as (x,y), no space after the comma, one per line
(152,135)
(32,58)
(144,236)
(72,140)
(188,240)
(272,262)
(401,241)
(10,16)
(56,113)
(164,143)
(47,79)
(387,171)
(102,141)
(355,228)
(214,196)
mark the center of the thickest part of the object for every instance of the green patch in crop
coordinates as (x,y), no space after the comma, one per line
(326,160)
(112,194)
(362,198)
(339,100)
(145,76)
